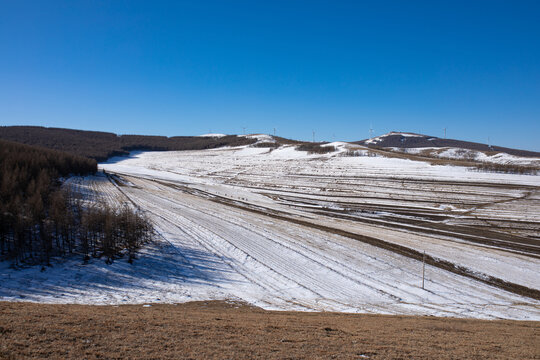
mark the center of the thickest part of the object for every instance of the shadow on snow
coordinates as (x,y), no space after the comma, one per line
(160,268)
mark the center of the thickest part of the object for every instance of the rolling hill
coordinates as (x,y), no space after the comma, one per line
(406,140)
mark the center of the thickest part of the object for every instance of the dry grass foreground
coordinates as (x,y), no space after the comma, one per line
(221,330)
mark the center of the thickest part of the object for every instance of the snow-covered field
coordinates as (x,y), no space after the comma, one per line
(257,224)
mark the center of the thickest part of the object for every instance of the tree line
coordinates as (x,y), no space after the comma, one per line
(508,168)
(316,148)
(102,145)
(40,219)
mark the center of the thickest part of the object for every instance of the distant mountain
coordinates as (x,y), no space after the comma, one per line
(102,145)
(406,140)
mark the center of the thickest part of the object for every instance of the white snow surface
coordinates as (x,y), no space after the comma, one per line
(378,139)
(261,137)
(208,250)
(212,135)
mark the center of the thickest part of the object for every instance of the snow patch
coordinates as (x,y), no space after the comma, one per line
(261,137)
(380,138)
(212,135)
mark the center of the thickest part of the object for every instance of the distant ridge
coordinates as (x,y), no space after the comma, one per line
(103,145)
(407,140)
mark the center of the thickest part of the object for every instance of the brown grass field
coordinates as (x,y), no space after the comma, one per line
(221,330)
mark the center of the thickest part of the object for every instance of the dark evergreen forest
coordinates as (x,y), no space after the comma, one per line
(102,145)
(40,219)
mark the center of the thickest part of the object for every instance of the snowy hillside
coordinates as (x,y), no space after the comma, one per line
(471,155)
(286,229)
(430,146)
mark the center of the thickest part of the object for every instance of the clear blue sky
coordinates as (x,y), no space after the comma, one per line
(186,68)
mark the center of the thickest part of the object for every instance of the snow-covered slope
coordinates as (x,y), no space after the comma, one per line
(256,224)
(471,155)
(213,135)
(381,139)
(435,147)
(261,137)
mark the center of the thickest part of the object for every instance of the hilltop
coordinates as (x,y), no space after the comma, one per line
(104,145)
(407,140)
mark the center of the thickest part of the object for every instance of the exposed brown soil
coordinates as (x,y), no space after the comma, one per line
(221,330)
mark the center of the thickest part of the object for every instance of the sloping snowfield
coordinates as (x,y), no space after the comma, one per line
(284,229)
(465,154)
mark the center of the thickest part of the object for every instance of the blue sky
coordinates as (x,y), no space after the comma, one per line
(333,67)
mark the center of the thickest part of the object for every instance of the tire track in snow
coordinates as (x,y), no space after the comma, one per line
(168,198)
(307,257)
(268,287)
(231,218)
